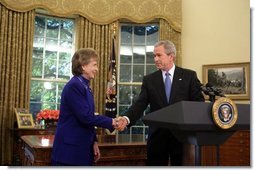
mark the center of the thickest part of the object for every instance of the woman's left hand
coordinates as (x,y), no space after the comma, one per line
(96,152)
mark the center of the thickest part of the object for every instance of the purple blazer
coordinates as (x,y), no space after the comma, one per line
(75,133)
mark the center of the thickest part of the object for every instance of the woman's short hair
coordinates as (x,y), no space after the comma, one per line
(82,57)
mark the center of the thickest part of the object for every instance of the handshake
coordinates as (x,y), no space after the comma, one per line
(119,123)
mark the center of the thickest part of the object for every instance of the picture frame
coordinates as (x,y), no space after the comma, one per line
(25,120)
(232,78)
(21,111)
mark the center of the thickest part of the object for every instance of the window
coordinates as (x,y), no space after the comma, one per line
(51,63)
(135,61)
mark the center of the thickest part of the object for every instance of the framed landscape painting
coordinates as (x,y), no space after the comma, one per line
(232,78)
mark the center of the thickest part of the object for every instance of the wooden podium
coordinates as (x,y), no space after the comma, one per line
(192,123)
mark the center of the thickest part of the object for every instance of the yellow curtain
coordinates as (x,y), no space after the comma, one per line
(16,37)
(107,11)
(100,38)
(168,33)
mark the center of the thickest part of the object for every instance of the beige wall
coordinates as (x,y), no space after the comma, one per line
(215,32)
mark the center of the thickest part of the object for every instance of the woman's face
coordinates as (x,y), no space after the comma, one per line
(90,69)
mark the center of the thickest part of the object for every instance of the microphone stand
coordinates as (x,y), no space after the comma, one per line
(212,98)
(208,91)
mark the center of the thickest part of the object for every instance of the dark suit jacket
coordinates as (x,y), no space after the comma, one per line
(75,134)
(185,86)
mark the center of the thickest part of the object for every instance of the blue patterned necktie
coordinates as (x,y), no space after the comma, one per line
(168,86)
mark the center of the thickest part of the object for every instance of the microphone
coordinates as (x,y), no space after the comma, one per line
(207,90)
(216,91)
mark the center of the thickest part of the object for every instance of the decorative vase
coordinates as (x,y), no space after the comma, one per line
(50,123)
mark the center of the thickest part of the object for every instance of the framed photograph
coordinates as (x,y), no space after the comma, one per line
(21,111)
(233,79)
(25,120)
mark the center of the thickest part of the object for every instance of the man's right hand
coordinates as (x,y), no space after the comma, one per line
(122,123)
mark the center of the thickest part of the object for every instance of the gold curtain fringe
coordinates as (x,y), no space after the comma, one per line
(107,11)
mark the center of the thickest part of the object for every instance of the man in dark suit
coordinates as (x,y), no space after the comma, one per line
(183,84)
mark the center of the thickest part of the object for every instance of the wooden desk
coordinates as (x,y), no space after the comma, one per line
(234,152)
(17,142)
(37,152)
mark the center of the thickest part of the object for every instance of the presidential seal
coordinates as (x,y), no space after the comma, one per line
(224,113)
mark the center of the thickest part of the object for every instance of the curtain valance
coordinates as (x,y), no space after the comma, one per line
(107,11)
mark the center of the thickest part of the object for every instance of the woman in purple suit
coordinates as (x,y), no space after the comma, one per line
(75,142)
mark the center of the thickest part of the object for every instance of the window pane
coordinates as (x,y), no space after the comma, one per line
(39,25)
(52,28)
(38,42)
(126,54)
(124,94)
(126,34)
(47,105)
(50,68)
(138,73)
(152,34)
(64,56)
(49,94)
(137,130)
(66,31)
(135,93)
(38,52)
(65,46)
(125,73)
(36,89)
(123,136)
(37,62)
(150,69)
(37,67)
(64,70)
(123,109)
(139,35)
(149,55)
(51,55)
(51,44)
(60,88)
(139,54)
(128,94)
(35,107)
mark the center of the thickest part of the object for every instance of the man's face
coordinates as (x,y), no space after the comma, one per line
(162,60)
